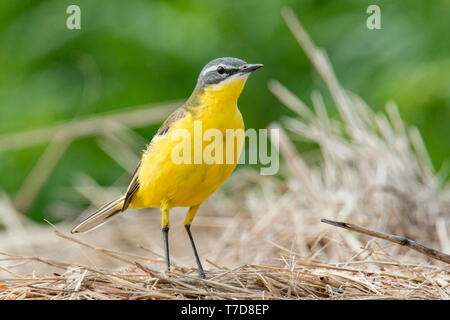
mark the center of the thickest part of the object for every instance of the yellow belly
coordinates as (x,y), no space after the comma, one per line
(162,180)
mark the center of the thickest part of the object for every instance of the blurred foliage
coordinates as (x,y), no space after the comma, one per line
(136,52)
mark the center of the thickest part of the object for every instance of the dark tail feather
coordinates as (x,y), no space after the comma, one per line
(100,216)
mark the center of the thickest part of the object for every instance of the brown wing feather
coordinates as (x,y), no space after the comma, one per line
(132,188)
(174,117)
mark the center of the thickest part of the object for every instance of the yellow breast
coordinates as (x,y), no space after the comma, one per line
(189,184)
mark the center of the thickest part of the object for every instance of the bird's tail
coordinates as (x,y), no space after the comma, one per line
(100,216)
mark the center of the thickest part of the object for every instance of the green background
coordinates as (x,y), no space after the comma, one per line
(136,52)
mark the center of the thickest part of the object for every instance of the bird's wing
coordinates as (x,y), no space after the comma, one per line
(178,114)
(132,187)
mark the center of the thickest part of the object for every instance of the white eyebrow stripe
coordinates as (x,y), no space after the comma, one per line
(214,67)
(208,69)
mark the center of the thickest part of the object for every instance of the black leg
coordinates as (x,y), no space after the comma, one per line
(165,231)
(201,273)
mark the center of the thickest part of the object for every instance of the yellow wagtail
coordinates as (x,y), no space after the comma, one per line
(160,182)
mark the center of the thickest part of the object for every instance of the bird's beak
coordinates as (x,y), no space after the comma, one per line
(250,67)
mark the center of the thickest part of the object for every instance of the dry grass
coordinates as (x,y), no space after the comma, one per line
(261,236)
(297,279)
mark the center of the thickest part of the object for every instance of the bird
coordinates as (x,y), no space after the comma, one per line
(159,181)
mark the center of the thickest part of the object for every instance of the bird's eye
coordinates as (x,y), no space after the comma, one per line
(220,70)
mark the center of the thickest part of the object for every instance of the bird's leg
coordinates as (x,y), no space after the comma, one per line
(201,273)
(187,224)
(165,230)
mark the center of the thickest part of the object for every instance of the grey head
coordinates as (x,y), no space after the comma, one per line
(222,69)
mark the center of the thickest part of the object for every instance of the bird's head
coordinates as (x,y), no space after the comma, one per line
(224,78)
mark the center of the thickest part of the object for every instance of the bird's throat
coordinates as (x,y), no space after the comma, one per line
(222,95)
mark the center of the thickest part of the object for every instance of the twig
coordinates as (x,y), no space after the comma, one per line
(104,251)
(432,253)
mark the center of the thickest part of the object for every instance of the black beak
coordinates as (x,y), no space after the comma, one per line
(250,67)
